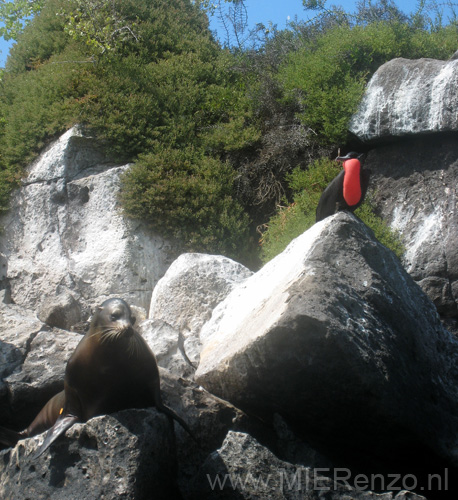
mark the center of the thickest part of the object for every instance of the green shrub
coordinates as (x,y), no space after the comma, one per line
(186,195)
(295,218)
(167,94)
(40,104)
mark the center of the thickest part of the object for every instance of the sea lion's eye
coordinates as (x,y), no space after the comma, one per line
(114,317)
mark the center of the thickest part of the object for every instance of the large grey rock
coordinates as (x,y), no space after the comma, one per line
(208,416)
(130,454)
(336,337)
(65,231)
(165,342)
(61,311)
(406,97)
(18,328)
(243,468)
(41,373)
(186,295)
(415,191)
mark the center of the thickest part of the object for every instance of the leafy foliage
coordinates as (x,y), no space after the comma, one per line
(391,238)
(296,217)
(328,74)
(99,24)
(160,90)
(15,15)
(213,133)
(292,219)
(188,196)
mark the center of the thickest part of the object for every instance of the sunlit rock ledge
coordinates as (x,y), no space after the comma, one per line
(406,97)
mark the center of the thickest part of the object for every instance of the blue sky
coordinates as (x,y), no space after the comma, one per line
(263,11)
(280,11)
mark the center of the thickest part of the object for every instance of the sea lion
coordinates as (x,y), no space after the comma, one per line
(112,369)
(45,419)
(347,190)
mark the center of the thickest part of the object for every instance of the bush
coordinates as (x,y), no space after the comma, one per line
(295,218)
(186,195)
(165,86)
(40,105)
(169,88)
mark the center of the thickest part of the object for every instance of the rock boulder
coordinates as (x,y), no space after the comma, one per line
(406,97)
(185,297)
(243,468)
(65,231)
(18,328)
(409,117)
(336,337)
(415,191)
(130,454)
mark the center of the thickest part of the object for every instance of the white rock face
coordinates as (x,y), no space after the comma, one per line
(266,289)
(192,286)
(334,331)
(408,97)
(65,231)
(189,291)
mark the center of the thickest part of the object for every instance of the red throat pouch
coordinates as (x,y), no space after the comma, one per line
(352,181)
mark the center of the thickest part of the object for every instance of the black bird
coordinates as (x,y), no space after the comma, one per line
(347,190)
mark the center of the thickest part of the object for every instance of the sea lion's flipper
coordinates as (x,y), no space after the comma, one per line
(171,414)
(8,437)
(156,392)
(62,424)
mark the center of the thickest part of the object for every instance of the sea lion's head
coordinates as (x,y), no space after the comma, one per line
(113,320)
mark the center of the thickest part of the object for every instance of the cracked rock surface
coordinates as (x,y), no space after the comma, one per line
(415,188)
(406,97)
(65,231)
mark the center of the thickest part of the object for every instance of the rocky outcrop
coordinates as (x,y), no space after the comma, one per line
(33,358)
(408,118)
(65,231)
(335,336)
(62,311)
(329,357)
(41,373)
(415,190)
(130,454)
(243,468)
(406,97)
(334,351)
